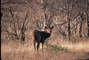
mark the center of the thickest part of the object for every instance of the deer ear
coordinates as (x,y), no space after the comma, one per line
(52,27)
(45,27)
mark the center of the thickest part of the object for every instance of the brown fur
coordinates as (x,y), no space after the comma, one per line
(41,36)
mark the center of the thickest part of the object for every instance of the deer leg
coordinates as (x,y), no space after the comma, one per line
(34,45)
(42,45)
(38,44)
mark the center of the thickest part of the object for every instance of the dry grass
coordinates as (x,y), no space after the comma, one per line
(58,48)
(63,50)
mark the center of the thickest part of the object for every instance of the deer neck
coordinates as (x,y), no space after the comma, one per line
(48,34)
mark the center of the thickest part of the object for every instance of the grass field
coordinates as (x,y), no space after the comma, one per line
(60,51)
(21,17)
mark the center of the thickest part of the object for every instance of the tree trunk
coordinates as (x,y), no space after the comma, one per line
(1,15)
(68,21)
(87,25)
(81,22)
(69,28)
(80,29)
(23,34)
(87,18)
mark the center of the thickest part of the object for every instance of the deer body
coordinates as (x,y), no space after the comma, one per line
(41,36)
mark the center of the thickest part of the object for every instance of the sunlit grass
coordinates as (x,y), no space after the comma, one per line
(16,50)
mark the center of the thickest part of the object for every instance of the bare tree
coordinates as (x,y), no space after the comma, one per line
(47,18)
(63,33)
(17,29)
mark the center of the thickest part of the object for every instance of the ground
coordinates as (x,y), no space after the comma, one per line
(64,51)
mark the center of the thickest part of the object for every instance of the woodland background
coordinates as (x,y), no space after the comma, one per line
(70,36)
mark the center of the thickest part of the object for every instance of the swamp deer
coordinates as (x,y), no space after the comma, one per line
(41,36)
